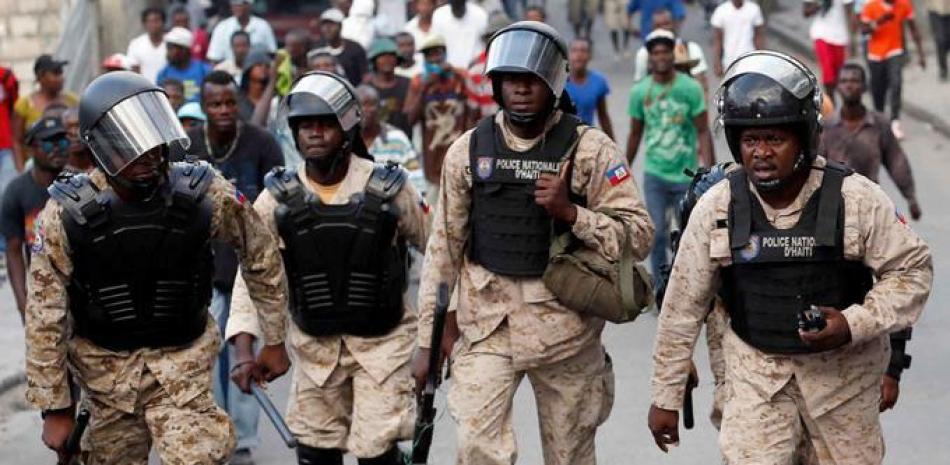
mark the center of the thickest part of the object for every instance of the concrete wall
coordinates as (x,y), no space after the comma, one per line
(28,28)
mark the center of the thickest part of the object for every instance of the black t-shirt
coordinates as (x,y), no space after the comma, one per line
(352,58)
(254,156)
(22,201)
(391,102)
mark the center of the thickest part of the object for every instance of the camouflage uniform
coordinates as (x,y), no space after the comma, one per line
(159,396)
(773,400)
(512,327)
(348,392)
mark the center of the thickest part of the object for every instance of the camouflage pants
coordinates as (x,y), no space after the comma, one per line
(351,410)
(197,433)
(574,396)
(778,431)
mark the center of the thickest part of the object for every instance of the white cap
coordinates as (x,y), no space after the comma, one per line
(332,14)
(179,36)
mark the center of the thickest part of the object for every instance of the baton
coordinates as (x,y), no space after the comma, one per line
(268,407)
(72,441)
(688,421)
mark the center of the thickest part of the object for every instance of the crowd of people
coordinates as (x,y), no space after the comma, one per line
(420,74)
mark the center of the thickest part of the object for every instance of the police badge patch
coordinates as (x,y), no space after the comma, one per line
(752,249)
(484,167)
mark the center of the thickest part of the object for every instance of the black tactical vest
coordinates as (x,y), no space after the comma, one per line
(347,274)
(510,233)
(775,273)
(141,270)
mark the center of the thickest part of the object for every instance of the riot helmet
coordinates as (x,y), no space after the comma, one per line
(123,116)
(768,88)
(528,47)
(319,93)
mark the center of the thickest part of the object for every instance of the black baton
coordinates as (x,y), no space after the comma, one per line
(71,447)
(268,407)
(688,421)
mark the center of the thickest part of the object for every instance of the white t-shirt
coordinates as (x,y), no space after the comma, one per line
(418,35)
(738,28)
(149,58)
(262,37)
(831,26)
(641,61)
(463,37)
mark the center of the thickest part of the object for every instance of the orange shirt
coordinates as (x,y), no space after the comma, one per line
(887,39)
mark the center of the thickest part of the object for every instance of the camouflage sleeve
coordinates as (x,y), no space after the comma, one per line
(46,308)
(412,217)
(690,291)
(446,246)
(610,184)
(262,271)
(902,263)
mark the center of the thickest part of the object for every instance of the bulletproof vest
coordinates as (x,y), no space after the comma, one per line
(776,273)
(510,233)
(347,272)
(141,269)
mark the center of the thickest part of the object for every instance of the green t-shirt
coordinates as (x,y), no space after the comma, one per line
(669,136)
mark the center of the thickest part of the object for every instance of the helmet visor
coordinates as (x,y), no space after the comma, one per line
(131,128)
(522,50)
(788,73)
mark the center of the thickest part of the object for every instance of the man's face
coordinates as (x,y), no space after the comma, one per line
(177,54)
(435,56)
(579,54)
(219,102)
(189,123)
(424,8)
(241,46)
(385,63)
(260,72)
(851,86)
(319,137)
(330,30)
(524,93)
(296,47)
(769,153)
(51,153)
(370,106)
(323,63)
(240,10)
(661,58)
(534,15)
(181,19)
(406,45)
(175,96)
(52,80)
(71,121)
(664,20)
(145,167)
(153,24)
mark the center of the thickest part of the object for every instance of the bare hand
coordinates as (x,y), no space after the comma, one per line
(420,368)
(664,426)
(551,192)
(246,372)
(836,334)
(56,428)
(890,390)
(273,361)
(914,208)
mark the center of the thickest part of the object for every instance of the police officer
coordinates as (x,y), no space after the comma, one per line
(120,285)
(787,231)
(506,184)
(343,225)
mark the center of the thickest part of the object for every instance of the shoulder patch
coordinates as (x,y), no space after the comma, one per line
(618,174)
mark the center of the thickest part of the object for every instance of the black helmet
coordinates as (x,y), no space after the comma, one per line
(768,88)
(122,116)
(529,47)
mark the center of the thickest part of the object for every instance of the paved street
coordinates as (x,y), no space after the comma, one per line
(912,431)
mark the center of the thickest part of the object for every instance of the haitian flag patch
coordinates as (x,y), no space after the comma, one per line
(241,198)
(618,174)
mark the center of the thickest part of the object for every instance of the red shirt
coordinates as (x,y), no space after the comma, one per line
(887,39)
(9,92)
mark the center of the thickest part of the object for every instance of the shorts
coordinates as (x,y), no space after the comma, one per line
(615,15)
(830,59)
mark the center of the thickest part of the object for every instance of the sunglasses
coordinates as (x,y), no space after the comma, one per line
(49,145)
